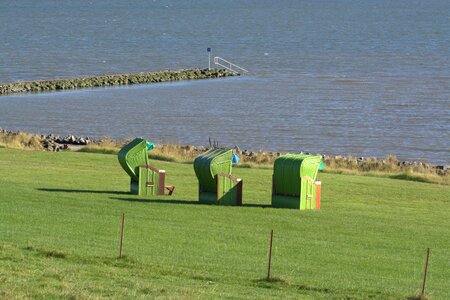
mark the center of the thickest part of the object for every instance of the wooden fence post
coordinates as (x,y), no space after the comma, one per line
(270,254)
(425,271)
(121,235)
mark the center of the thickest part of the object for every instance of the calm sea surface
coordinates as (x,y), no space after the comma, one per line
(368,78)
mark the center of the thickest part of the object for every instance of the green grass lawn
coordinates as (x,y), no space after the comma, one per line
(60,218)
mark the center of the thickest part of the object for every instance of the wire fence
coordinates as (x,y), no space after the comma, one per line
(105,237)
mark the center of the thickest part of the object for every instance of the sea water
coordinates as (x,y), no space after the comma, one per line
(367,78)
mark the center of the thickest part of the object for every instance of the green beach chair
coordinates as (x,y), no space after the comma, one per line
(294,182)
(216,185)
(145,180)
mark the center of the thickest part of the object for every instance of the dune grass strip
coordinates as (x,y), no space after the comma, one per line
(389,166)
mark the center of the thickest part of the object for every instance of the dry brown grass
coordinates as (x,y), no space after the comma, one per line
(174,152)
(430,178)
(407,175)
(170,152)
(262,159)
(105,146)
(390,166)
(20,140)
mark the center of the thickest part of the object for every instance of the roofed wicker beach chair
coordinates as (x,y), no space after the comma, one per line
(145,180)
(216,185)
(294,182)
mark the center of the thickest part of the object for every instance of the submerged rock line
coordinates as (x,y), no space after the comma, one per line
(110,80)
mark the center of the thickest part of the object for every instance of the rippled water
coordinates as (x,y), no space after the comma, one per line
(367,78)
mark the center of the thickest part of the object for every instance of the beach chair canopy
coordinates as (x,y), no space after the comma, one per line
(132,155)
(294,181)
(209,164)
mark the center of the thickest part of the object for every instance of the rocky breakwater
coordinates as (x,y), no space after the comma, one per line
(57,143)
(110,80)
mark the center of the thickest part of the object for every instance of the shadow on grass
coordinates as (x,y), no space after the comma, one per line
(167,201)
(178,201)
(419,296)
(271,280)
(411,177)
(46,252)
(257,205)
(82,191)
(305,287)
(142,200)
(121,262)
(280,283)
(271,283)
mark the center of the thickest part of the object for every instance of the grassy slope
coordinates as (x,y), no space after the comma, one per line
(59,225)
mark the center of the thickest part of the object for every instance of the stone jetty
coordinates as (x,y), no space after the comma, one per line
(110,80)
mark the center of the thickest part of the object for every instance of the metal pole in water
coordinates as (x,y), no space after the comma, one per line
(209,58)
